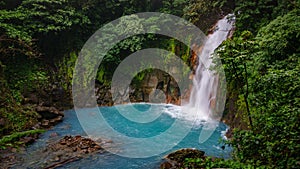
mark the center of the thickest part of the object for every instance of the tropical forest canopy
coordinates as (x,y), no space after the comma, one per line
(40,41)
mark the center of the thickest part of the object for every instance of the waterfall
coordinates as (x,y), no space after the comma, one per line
(204,93)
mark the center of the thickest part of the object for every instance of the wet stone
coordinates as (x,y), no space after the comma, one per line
(64,151)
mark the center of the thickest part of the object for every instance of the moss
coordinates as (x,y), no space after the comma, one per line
(17,118)
(13,139)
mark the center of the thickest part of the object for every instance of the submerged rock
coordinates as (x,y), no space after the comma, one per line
(54,134)
(66,150)
(70,144)
(70,148)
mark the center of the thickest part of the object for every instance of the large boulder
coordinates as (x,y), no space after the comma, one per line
(175,159)
(60,151)
(48,112)
(50,116)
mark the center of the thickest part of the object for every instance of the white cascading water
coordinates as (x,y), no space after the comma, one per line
(205,83)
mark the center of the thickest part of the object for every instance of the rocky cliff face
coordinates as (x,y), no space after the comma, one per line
(156,87)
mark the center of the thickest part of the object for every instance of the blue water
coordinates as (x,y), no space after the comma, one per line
(163,119)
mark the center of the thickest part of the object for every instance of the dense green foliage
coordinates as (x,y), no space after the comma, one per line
(209,162)
(17,118)
(262,62)
(40,41)
(252,15)
(23,26)
(274,87)
(205,13)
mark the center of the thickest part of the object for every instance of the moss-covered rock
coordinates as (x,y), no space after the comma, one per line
(177,158)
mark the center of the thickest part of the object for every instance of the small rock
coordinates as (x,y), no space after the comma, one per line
(56,158)
(45,123)
(63,142)
(28,140)
(37,126)
(56,120)
(166,165)
(54,134)
(14,150)
(84,147)
(84,151)
(77,137)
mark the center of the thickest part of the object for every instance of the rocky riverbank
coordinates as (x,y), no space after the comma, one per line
(55,154)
